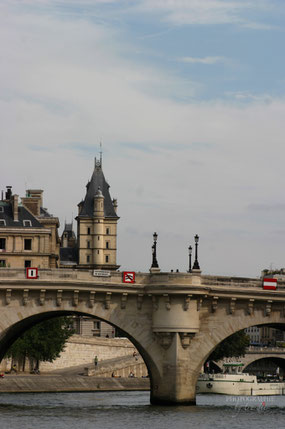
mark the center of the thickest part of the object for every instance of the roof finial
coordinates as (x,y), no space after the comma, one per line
(101,152)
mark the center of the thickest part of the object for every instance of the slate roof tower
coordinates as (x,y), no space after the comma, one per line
(97,224)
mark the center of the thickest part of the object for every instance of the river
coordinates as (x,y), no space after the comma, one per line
(131,410)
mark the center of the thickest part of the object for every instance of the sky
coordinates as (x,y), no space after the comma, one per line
(188,100)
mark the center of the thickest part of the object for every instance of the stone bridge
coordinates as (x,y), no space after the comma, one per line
(174,319)
(254,354)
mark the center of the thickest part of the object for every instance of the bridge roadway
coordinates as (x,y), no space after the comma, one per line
(174,319)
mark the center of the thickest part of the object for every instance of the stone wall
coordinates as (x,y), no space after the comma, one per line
(81,351)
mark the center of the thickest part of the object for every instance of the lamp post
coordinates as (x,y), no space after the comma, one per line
(190,257)
(196,265)
(154,260)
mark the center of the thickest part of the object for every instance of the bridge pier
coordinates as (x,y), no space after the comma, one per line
(177,382)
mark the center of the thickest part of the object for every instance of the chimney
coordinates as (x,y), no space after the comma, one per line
(33,201)
(8,192)
(15,206)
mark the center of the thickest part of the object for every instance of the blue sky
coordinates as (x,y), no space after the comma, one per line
(188,99)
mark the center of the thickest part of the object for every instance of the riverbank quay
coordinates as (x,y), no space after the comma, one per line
(56,383)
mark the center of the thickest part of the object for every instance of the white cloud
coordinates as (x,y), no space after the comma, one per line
(205,60)
(206,12)
(64,84)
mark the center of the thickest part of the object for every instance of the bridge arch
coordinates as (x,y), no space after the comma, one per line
(213,333)
(249,361)
(16,323)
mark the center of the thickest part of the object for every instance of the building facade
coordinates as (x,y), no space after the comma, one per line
(97,224)
(28,233)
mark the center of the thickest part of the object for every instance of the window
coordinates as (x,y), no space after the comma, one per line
(88,244)
(27,223)
(107,244)
(28,244)
(28,264)
(96,325)
(107,258)
(2,263)
(1,209)
(107,231)
(2,222)
(88,231)
(2,244)
(88,258)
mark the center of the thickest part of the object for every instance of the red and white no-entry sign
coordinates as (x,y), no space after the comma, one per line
(129,277)
(32,273)
(269,284)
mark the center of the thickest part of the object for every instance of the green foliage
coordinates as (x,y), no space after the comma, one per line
(233,346)
(43,342)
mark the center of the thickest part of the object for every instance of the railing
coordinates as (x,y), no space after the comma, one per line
(265,350)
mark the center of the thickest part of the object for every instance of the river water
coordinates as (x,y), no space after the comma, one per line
(131,410)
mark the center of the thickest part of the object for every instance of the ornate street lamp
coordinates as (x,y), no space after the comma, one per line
(154,260)
(190,256)
(196,265)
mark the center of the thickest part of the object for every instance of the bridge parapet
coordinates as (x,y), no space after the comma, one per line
(265,350)
(153,283)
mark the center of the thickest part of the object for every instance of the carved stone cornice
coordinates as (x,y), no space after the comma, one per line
(232,305)
(167,301)
(108,300)
(214,303)
(139,301)
(75,298)
(8,296)
(92,298)
(250,306)
(42,296)
(268,308)
(186,338)
(187,302)
(164,338)
(25,296)
(59,297)
(124,298)
(199,303)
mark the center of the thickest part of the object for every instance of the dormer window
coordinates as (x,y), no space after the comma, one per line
(27,223)
(2,222)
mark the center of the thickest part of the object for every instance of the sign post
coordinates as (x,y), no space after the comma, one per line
(31,273)
(129,277)
(269,284)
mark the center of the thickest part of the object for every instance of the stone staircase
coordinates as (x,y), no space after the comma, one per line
(120,367)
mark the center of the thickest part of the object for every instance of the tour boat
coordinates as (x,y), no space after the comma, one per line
(234,382)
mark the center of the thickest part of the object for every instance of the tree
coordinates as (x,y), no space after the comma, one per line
(233,346)
(43,342)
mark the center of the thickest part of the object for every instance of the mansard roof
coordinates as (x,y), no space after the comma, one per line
(97,181)
(6,213)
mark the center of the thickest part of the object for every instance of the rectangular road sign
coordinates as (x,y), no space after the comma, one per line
(129,277)
(31,273)
(101,273)
(269,284)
